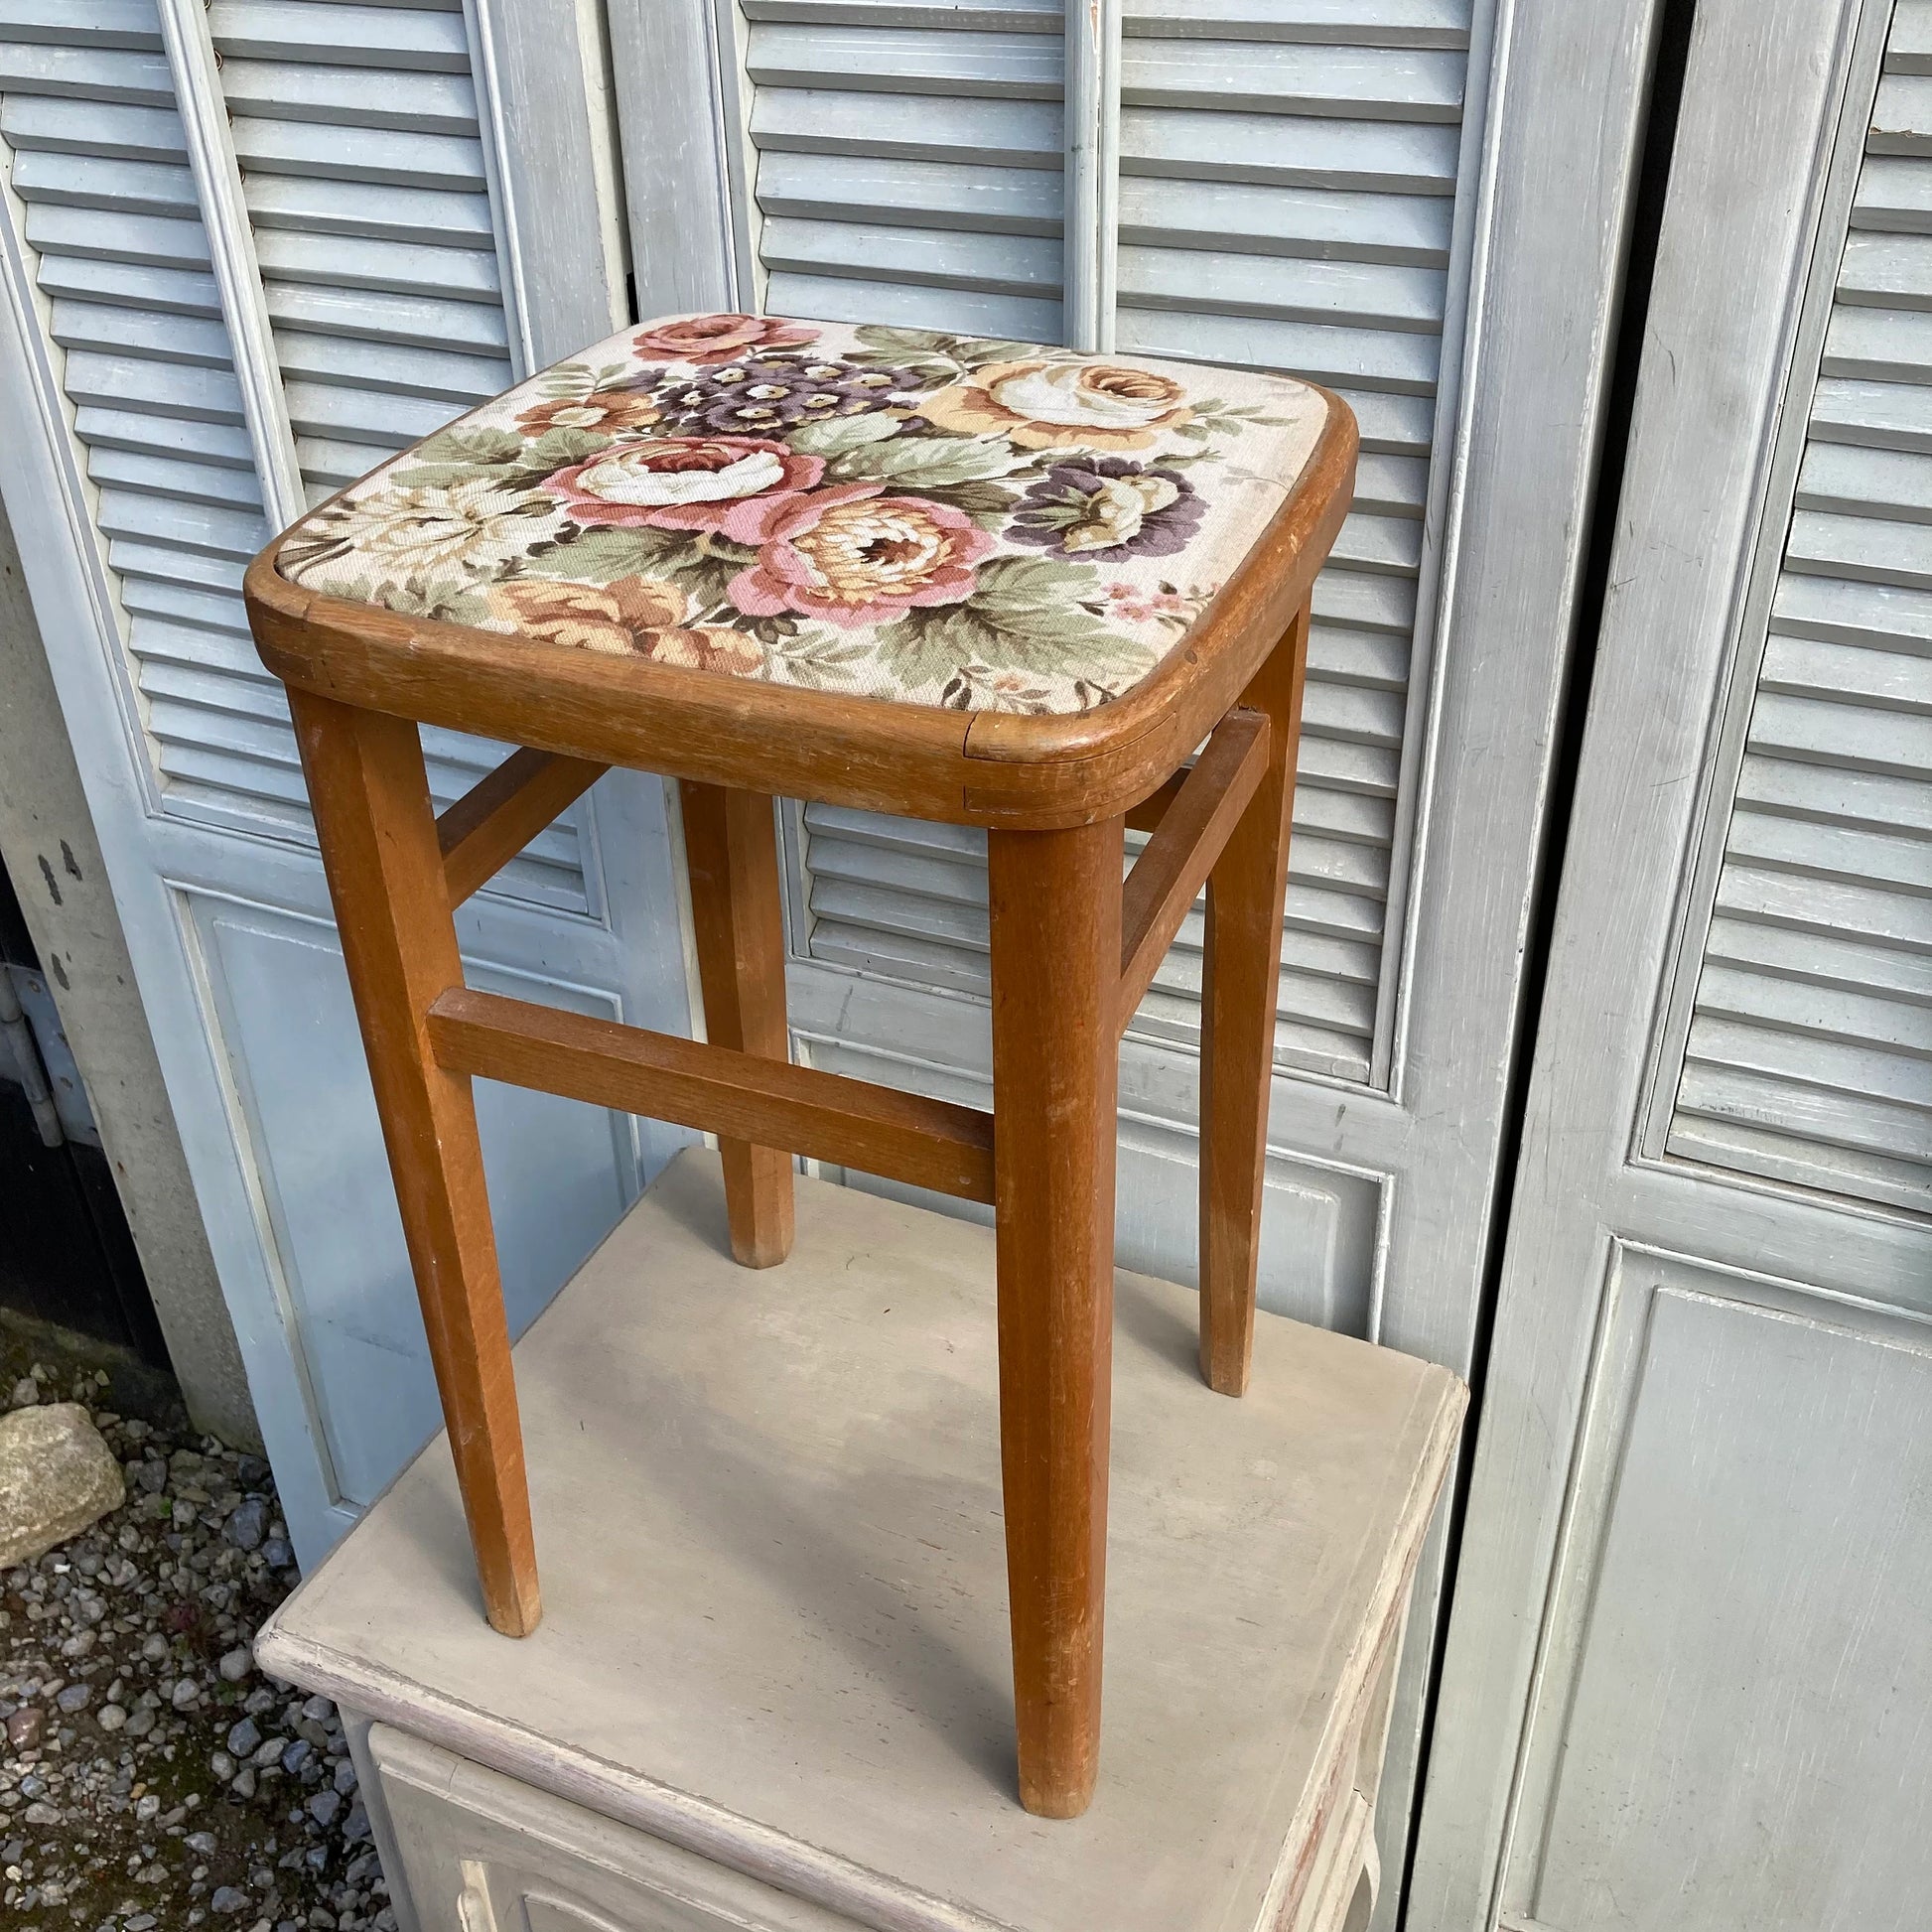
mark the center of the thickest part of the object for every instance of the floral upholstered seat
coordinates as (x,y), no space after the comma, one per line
(926,518)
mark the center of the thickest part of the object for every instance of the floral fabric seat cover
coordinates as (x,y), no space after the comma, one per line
(898,513)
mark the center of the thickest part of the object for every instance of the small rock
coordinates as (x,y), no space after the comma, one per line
(357,1825)
(24,1727)
(345,1777)
(142,1722)
(277,1552)
(39,1812)
(154,1650)
(244,1738)
(297,1755)
(243,1782)
(319,1709)
(76,1696)
(58,1478)
(249,1523)
(201,1843)
(236,1664)
(185,1692)
(111,1716)
(222,1764)
(269,1752)
(25,1393)
(228,1898)
(323,1806)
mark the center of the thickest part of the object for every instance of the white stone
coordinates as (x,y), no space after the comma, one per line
(57,1478)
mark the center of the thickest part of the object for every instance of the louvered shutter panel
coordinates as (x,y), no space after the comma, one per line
(355,127)
(99,164)
(909,161)
(362,169)
(1287,191)
(1809,1055)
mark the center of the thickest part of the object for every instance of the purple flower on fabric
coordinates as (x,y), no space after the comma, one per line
(1109,506)
(767,395)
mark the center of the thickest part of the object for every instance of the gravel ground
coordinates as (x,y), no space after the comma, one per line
(153,1778)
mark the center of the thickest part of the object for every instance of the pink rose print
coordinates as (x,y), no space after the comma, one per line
(851,557)
(718,338)
(1134,605)
(684,483)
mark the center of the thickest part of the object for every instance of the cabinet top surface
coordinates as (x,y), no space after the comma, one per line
(769,1522)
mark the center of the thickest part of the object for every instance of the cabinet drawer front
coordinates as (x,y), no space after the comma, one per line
(481,1852)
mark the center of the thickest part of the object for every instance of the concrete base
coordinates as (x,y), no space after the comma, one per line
(770,1686)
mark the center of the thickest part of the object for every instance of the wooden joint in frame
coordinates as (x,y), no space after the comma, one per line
(499,815)
(740,1096)
(1194,821)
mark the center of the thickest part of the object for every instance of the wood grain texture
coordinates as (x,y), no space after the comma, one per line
(878,1130)
(1187,843)
(1147,815)
(988,769)
(377,831)
(1056,902)
(731,852)
(501,813)
(1240,973)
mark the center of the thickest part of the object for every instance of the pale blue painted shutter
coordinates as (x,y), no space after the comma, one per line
(907,161)
(355,127)
(99,162)
(1809,1054)
(1286,195)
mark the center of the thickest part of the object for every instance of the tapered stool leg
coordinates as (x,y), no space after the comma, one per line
(1056,902)
(731,852)
(1240,980)
(378,830)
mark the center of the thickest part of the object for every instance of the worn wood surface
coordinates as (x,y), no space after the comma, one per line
(825,1116)
(775,1635)
(1194,823)
(732,860)
(501,813)
(385,876)
(1239,970)
(1056,902)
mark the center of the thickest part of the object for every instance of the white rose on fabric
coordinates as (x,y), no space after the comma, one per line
(1044,404)
(1073,394)
(683,483)
(634,478)
(1117,509)
(475,528)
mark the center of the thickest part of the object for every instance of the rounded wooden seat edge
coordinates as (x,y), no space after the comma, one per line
(1032,771)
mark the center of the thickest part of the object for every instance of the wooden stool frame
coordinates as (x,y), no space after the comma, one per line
(1073,952)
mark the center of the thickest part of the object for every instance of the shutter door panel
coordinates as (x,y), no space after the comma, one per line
(377,355)
(1809,1053)
(1288,182)
(1285,197)
(907,161)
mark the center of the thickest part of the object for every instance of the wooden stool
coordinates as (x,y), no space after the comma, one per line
(967,580)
